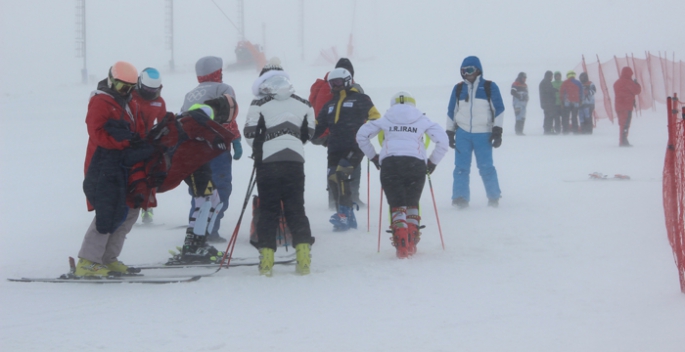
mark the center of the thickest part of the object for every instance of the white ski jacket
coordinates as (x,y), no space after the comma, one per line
(403,127)
(289,119)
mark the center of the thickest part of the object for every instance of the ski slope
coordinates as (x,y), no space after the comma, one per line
(559,266)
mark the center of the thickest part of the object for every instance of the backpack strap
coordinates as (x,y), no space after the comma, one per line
(488,93)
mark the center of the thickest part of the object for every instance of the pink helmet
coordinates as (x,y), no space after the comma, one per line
(124,72)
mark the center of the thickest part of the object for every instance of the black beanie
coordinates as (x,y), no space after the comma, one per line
(346,64)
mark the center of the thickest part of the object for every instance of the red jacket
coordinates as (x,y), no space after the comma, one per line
(570,91)
(101,108)
(625,90)
(151,111)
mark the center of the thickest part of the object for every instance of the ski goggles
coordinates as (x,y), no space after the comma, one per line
(122,87)
(468,70)
(148,92)
(336,83)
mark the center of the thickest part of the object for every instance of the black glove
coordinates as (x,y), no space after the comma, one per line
(140,150)
(430,167)
(451,137)
(496,137)
(376,162)
(219,143)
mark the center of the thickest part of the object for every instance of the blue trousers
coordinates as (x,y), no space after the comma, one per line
(468,144)
(222,180)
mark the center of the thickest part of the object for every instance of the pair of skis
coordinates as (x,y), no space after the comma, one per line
(141,279)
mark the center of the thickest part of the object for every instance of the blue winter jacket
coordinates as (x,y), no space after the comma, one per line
(474,114)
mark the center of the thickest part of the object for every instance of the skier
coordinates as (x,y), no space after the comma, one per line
(278,124)
(569,93)
(116,143)
(474,126)
(152,108)
(320,94)
(209,74)
(587,104)
(403,164)
(221,110)
(548,102)
(625,90)
(519,91)
(342,116)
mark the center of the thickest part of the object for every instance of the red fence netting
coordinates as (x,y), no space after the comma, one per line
(674,185)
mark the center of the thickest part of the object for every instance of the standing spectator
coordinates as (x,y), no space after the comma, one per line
(320,94)
(278,124)
(570,93)
(556,83)
(625,90)
(152,109)
(342,116)
(403,163)
(547,102)
(209,74)
(587,104)
(116,143)
(474,126)
(519,91)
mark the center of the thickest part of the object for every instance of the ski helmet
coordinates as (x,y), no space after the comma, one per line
(339,79)
(225,108)
(149,84)
(402,98)
(122,77)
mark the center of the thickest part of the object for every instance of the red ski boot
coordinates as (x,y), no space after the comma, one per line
(400,239)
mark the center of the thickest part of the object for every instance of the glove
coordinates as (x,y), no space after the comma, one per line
(430,167)
(137,152)
(496,137)
(237,149)
(376,162)
(219,143)
(451,137)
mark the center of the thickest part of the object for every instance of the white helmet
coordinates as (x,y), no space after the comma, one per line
(402,98)
(339,79)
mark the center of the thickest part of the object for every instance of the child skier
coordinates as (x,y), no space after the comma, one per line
(403,164)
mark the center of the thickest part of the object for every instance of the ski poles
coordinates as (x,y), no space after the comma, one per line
(436,211)
(380,221)
(234,237)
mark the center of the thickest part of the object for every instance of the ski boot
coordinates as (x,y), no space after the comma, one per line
(90,269)
(304,259)
(414,233)
(494,203)
(400,239)
(196,251)
(340,222)
(119,267)
(146,216)
(266,261)
(460,203)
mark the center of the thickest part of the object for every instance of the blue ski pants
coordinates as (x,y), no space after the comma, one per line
(468,144)
(222,179)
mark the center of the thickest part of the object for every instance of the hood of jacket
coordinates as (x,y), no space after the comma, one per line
(274,83)
(403,114)
(627,72)
(472,61)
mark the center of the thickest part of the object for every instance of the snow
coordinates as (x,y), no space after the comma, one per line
(559,266)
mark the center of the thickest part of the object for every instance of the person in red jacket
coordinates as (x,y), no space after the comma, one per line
(116,143)
(569,93)
(152,108)
(625,90)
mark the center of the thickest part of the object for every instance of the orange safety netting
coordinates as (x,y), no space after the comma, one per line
(658,76)
(674,185)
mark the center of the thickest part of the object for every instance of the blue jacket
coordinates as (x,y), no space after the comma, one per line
(473,113)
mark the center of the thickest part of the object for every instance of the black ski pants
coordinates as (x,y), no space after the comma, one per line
(403,178)
(281,181)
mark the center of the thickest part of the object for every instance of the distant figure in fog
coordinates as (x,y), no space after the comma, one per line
(519,91)
(548,98)
(625,90)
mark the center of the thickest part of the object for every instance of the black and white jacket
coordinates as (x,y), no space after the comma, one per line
(289,120)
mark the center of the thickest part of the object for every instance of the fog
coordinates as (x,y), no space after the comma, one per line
(564,263)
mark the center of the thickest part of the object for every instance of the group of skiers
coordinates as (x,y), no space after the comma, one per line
(130,157)
(568,105)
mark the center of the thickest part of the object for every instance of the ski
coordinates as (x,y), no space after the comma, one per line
(211,265)
(109,280)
